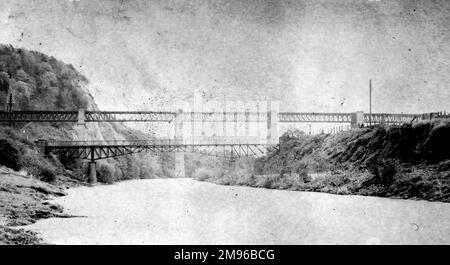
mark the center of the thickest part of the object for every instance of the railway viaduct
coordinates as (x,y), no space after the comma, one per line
(229,144)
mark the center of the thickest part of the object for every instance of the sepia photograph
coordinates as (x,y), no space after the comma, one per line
(251,123)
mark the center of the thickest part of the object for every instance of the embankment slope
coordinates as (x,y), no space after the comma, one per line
(411,161)
(41,82)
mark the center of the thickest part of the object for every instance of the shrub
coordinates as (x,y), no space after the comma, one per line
(383,170)
(47,174)
(387,171)
(10,155)
(40,168)
(251,180)
(203,174)
(304,176)
(105,173)
(265,181)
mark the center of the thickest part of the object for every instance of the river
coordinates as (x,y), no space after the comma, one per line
(185,211)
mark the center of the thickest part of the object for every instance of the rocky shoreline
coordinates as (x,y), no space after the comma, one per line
(23,201)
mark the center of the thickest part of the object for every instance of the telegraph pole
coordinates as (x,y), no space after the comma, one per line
(370,102)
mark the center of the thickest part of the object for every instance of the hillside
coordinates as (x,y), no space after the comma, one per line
(41,82)
(408,161)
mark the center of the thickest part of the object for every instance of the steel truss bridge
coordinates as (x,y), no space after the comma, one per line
(167,116)
(95,150)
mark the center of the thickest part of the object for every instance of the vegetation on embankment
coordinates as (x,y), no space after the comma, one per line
(23,201)
(41,82)
(408,161)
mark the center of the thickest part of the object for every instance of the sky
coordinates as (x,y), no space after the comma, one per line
(311,55)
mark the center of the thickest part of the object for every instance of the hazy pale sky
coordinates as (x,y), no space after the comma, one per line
(313,55)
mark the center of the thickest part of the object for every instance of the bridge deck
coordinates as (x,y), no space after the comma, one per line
(95,150)
(156,142)
(167,116)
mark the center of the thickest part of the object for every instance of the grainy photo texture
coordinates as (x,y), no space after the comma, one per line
(212,122)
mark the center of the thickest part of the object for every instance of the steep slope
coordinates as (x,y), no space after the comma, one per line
(41,82)
(408,161)
(27,178)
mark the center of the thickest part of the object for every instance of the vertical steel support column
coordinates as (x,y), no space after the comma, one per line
(192,127)
(197,107)
(272,122)
(235,129)
(224,119)
(258,131)
(213,122)
(247,122)
(179,156)
(203,116)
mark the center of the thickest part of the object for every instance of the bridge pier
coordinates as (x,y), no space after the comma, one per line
(92,176)
(179,156)
(42,146)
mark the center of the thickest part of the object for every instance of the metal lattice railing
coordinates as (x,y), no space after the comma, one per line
(94,150)
(97,116)
(167,116)
(315,117)
(158,142)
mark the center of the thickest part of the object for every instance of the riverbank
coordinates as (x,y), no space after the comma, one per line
(23,201)
(415,183)
(411,161)
(185,211)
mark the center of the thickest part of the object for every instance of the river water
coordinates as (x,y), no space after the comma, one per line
(185,211)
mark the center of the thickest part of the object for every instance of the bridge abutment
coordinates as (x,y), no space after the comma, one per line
(42,146)
(357,119)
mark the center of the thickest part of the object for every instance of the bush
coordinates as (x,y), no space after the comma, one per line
(387,171)
(105,173)
(47,174)
(10,155)
(251,180)
(203,174)
(383,170)
(265,181)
